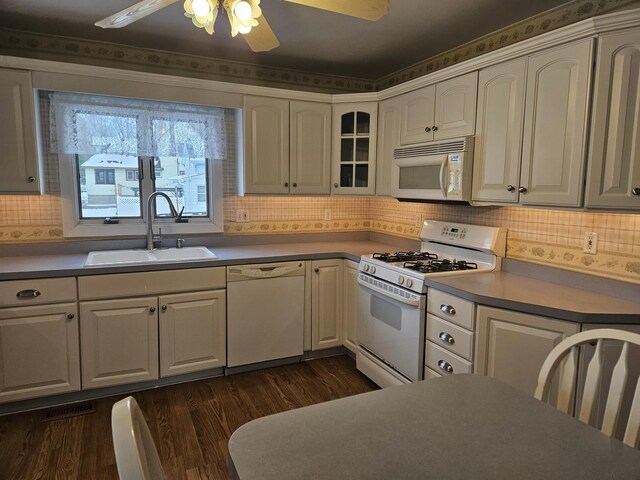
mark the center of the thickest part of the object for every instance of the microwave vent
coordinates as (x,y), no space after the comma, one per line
(432,148)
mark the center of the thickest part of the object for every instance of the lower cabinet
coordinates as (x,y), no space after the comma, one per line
(350,305)
(512,346)
(39,353)
(327,298)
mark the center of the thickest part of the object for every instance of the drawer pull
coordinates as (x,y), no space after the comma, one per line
(447,338)
(445,366)
(448,309)
(27,294)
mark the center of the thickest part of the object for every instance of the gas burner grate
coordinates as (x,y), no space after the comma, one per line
(444,265)
(404,256)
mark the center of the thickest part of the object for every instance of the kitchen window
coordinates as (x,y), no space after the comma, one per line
(114,152)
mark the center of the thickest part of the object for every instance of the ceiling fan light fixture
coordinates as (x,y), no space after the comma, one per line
(203,13)
(201,8)
(242,15)
(242,11)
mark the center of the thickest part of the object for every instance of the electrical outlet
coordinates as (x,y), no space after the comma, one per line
(590,244)
(242,215)
(418,220)
(327,214)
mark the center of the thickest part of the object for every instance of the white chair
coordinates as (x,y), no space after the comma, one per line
(569,349)
(136,454)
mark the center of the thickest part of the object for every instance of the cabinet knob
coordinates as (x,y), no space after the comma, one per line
(445,366)
(164,308)
(635,191)
(448,309)
(31,179)
(71,316)
(427,129)
(335,185)
(317,270)
(152,309)
(510,188)
(434,128)
(522,190)
(294,184)
(286,184)
(447,338)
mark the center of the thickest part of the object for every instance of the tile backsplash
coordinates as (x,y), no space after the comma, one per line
(551,237)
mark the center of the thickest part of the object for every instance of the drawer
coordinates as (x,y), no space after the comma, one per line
(455,339)
(452,308)
(438,359)
(22,293)
(121,285)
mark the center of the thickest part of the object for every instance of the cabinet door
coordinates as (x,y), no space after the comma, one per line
(310,148)
(417,115)
(512,346)
(555,123)
(192,332)
(119,341)
(19,159)
(326,304)
(354,149)
(455,107)
(350,304)
(39,351)
(496,163)
(614,163)
(388,138)
(266,145)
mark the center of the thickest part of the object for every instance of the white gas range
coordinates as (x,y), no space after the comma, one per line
(392,295)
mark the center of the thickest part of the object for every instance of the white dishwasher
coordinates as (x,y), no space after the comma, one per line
(265,312)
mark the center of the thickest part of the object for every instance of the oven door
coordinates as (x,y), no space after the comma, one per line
(392,326)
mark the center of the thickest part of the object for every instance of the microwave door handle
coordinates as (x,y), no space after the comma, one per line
(443,177)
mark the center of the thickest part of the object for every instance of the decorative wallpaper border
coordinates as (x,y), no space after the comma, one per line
(393,228)
(296,226)
(614,265)
(30,233)
(561,16)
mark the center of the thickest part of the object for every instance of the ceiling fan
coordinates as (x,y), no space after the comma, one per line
(245,16)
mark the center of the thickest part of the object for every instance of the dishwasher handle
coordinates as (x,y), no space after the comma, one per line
(268,271)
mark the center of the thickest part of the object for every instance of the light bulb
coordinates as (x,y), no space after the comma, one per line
(244,29)
(201,7)
(242,10)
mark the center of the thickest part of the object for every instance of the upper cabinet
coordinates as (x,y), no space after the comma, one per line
(388,138)
(543,165)
(19,159)
(613,179)
(354,148)
(444,110)
(287,146)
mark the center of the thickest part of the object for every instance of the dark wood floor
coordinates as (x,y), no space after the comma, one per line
(190,423)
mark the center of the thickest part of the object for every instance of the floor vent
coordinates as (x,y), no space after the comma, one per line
(67,411)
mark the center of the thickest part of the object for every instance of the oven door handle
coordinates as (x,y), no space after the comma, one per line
(415,302)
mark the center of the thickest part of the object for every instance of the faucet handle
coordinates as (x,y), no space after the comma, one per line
(180,243)
(179,218)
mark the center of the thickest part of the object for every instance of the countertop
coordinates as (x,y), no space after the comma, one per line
(497,289)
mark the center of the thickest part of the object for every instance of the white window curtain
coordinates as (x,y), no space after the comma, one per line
(90,124)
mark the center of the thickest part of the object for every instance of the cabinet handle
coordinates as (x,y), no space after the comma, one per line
(635,191)
(434,128)
(294,184)
(317,270)
(448,309)
(164,308)
(152,309)
(522,190)
(445,366)
(510,188)
(31,179)
(71,316)
(27,294)
(335,185)
(286,184)
(447,338)
(427,129)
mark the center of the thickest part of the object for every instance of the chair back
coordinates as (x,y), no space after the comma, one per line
(136,454)
(568,351)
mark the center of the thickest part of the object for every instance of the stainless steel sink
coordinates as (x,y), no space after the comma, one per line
(136,257)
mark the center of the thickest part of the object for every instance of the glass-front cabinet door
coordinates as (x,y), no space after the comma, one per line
(354,148)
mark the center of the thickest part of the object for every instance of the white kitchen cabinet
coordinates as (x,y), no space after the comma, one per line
(354,148)
(511,346)
(436,112)
(388,138)
(555,125)
(613,178)
(498,142)
(192,332)
(350,305)
(327,297)
(287,146)
(119,341)
(19,159)
(39,351)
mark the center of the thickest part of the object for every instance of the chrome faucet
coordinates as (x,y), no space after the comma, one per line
(174,213)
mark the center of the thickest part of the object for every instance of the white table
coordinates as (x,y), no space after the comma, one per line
(455,427)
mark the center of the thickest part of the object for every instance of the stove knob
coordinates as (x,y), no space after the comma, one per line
(409,283)
(373,269)
(366,268)
(401,280)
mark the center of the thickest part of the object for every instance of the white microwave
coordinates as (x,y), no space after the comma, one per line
(438,170)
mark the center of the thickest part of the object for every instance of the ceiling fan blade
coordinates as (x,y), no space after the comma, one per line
(366,9)
(261,38)
(133,13)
